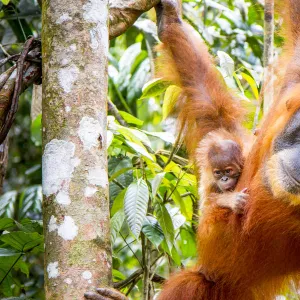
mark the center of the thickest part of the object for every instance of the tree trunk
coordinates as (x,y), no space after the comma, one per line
(75,181)
(268,55)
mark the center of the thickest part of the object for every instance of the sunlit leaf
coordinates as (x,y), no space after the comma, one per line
(135,205)
(226,63)
(170,99)
(130,118)
(154,88)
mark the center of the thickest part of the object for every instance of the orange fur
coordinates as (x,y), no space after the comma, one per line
(257,255)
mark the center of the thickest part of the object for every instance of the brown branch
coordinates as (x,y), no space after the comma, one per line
(114,111)
(123,13)
(17,90)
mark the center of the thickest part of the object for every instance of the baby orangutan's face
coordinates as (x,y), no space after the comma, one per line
(227,177)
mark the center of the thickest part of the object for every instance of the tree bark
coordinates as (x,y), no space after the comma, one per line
(268,55)
(75,182)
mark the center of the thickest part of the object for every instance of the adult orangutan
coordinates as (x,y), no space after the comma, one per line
(253,256)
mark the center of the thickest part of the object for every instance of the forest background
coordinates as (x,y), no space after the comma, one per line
(147,167)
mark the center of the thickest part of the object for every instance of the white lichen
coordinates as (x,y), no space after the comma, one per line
(52,270)
(63,18)
(52,226)
(59,163)
(67,77)
(89,132)
(68,281)
(98,176)
(89,191)
(63,198)
(68,229)
(73,47)
(67,109)
(87,275)
(95,11)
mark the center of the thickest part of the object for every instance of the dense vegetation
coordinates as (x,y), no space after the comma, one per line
(153,192)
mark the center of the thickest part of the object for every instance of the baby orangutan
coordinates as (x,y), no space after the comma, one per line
(220,163)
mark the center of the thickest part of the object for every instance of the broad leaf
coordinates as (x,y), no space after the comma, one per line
(136,205)
(154,88)
(153,231)
(6,223)
(166,224)
(226,63)
(22,241)
(130,118)
(116,223)
(156,182)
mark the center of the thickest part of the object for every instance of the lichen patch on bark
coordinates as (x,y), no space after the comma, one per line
(52,270)
(89,132)
(67,77)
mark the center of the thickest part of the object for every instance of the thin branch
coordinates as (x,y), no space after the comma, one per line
(123,283)
(18,87)
(131,250)
(115,112)
(175,147)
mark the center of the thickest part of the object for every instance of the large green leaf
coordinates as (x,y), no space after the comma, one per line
(156,182)
(154,88)
(116,223)
(166,224)
(22,241)
(7,204)
(136,205)
(153,231)
(6,223)
(130,118)
(30,201)
(226,63)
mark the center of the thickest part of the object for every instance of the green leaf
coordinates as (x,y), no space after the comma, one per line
(117,275)
(36,130)
(116,223)
(129,60)
(154,88)
(139,150)
(6,223)
(170,99)
(165,136)
(178,221)
(153,231)
(156,182)
(226,63)
(136,205)
(252,84)
(7,204)
(130,118)
(22,241)
(187,242)
(31,201)
(118,202)
(166,224)
(9,252)
(5,2)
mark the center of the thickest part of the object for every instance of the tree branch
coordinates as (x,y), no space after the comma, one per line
(123,13)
